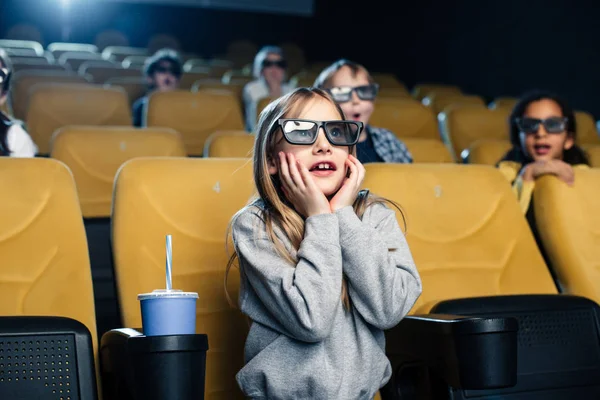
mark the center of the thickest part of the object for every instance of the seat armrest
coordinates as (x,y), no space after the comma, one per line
(466,352)
(135,366)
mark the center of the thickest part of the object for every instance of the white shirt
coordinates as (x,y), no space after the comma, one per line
(19,142)
(255,91)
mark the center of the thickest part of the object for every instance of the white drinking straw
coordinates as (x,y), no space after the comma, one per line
(169,263)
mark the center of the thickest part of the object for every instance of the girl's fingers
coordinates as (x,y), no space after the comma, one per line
(353,171)
(284,171)
(306,176)
(294,173)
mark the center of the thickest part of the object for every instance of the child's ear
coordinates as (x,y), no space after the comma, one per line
(569,141)
(272,165)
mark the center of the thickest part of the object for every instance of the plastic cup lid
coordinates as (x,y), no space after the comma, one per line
(163,293)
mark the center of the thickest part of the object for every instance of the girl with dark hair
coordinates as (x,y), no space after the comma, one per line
(542,133)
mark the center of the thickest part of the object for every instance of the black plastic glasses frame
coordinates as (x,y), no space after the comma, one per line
(546,122)
(326,125)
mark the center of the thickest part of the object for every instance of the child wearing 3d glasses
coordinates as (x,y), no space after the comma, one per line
(269,70)
(353,88)
(542,132)
(324,266)
(14,140)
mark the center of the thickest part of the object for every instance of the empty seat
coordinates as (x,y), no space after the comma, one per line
(34,47)
(587,134)
(472,240)
(194,115)
(488,151)
(39,64)
(120,53)
(134,62)
(94,154)
(194,63)
(74,59)
(234,87)
(101,72)
(236,75)
(593,153)
(461,127)
(428,150)
(567,219)
(29,59)
(189,78)
(24,81)
(229,144)
(219,67)
(423,90)
(405,117)
(194,200)
(134,87)
(46,267)
(438,102)
(59,48)
(53,106)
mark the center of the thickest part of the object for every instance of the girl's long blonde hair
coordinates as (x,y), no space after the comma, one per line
(275,209)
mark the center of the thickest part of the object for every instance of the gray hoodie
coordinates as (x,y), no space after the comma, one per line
(303,343)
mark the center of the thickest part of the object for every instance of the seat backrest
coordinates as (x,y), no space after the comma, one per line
(34,46)
(94,155)
(59,354)
(134,87)
(38,65)
(423,90)
(465,229)
(593,153)
(190,77)
(59,48)
(405,117)
(24,81)
(428,150)
(45,262)
(101,72)
(119,53)
(567,219)
(441,101)
(262,103)
(193,199)
(216,84)
(229,144)
(53,106)
(587,132)
(462,126)
(507,103)
(195,115)
(388,81)
(488,151)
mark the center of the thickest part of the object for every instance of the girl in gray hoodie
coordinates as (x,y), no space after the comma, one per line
(324,266)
